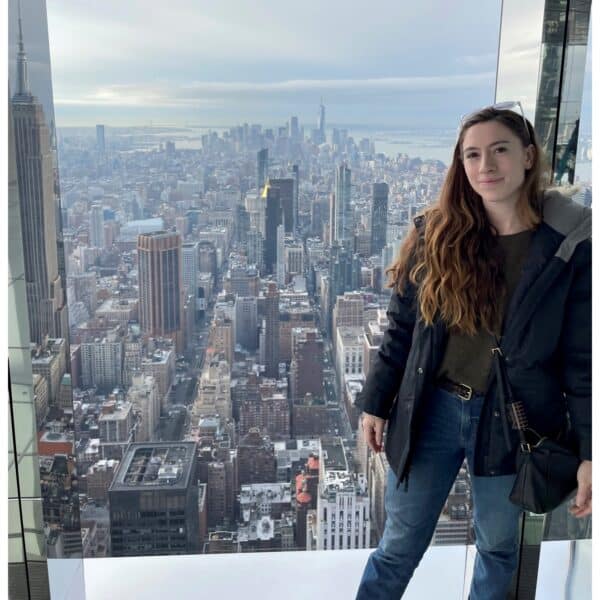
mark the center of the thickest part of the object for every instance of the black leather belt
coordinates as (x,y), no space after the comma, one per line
(461,390)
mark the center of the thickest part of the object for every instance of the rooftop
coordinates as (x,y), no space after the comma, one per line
(155,465)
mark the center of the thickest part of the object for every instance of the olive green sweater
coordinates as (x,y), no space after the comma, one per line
(468,359)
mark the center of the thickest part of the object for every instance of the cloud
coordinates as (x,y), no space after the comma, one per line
(195,93)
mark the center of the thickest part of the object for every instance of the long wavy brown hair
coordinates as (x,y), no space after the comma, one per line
(457,263)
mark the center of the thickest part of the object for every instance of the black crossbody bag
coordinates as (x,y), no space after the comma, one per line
(546,469)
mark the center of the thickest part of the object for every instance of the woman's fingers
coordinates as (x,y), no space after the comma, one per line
(379,433)
(373,430)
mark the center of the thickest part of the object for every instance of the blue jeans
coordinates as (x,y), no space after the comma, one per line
(447,435)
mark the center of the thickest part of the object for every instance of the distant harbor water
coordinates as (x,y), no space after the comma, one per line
(423,144)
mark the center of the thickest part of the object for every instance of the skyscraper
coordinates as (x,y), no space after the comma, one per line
(379,217)
(286,199)
(262,167)
(154,500)
(190,267)
(271,330)
(296,174)
(343,225)
(294,131)
(161,285)
(321,122)
(306,368)
(273,218)
(100,142)
(96,226)
(46,304)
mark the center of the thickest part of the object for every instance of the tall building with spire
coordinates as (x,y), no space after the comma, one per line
(46,302)
(321,122)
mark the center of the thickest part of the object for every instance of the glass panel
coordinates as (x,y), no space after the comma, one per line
(519,53)
(35,545)
(12,475)
(14,517)
(24,423)
(571,92)
(32,514)
(565,570)
(29,475)
(583,166)
(15,549)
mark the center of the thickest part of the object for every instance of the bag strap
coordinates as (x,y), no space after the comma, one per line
(505,396)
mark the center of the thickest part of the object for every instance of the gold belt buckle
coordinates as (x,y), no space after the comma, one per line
(466,395)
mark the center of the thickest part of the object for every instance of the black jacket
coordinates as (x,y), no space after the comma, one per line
(546,343)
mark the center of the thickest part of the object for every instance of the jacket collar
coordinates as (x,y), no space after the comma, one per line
(565,224)
(567,218)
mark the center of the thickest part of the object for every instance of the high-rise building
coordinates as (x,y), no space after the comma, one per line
(84,289)
(280,263)
(294,259)
(161,365)
(262,168)
(46,303)
(379,217)
(373,336)
(96,232)
(271,330)
(246,322)
(115,425)
(348,310)
(50,361)
(242,281)
(286,198)
(102,363)
(23,459)
(306,368)
(343,222)
(321,122)
(296,175)
(343,498)
(144,397)
(256,458)
(100,141)
(207,258)
(154,500)
(221,336)
(161,285)
(348,353)
(294,132)
(190,266)
(273,218)
(256,252)
(214,391)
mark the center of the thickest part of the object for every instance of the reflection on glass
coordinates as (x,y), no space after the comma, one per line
(519,53)
(40,359)
(560,86)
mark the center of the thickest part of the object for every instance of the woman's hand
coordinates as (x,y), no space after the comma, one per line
(373,430)
(582,505)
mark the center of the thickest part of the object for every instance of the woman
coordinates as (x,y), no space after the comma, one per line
(497,258)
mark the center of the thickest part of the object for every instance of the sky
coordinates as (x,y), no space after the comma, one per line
(384,64)
(221,63)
